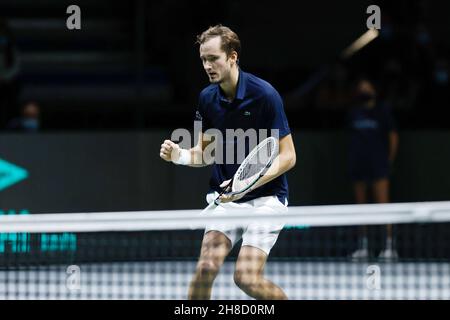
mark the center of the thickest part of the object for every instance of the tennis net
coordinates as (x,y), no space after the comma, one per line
(153,255)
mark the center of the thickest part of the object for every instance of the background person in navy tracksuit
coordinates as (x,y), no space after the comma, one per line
(373,147)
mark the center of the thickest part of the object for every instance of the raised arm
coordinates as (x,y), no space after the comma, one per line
(194,157)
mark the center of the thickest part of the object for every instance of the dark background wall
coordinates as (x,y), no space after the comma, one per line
(134,62)
(91,172)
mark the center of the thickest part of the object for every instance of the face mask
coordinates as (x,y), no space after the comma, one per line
(386,32)
(30,124)
(441,77)
(423,38)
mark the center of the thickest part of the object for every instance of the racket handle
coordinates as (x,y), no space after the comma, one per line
(216,201)
(211,206)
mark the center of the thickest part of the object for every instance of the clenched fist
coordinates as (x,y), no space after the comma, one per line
(170,151)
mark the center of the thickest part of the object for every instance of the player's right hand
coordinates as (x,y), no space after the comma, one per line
(170,151)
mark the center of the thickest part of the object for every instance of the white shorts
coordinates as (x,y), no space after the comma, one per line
(254,234)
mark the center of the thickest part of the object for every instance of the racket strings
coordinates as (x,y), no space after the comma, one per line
(255,164)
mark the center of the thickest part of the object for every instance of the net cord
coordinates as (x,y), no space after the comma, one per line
(331,215)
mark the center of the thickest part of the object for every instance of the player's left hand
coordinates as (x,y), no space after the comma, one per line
(227,197)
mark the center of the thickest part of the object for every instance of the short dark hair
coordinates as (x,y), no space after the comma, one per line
(230,40)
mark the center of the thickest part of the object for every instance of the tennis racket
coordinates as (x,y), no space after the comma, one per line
(254,166)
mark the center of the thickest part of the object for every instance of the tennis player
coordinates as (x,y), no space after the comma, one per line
(237,100)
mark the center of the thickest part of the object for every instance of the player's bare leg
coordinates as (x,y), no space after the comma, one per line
(215,248)
(249,275)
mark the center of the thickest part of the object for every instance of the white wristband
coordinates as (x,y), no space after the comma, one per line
(185,157)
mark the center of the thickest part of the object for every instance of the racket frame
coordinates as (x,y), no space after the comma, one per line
(216,202)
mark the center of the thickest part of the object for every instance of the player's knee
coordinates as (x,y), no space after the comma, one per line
(207,269)
(246,280)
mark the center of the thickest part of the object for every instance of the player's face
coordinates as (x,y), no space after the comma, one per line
(215,61)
